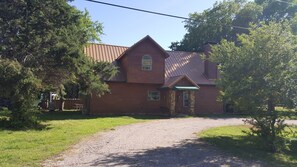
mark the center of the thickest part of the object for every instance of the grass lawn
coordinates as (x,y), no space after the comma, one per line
(30,147)
(287,113)
(231,139)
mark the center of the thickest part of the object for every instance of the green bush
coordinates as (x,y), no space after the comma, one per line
(293,145)
(20,86)
(270,129)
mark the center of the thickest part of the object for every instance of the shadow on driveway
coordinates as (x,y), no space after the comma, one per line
(187,154)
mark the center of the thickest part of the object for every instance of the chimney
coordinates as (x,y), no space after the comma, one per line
(210,68)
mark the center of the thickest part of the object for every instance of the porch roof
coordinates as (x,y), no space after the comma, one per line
(185,88)
(172,81)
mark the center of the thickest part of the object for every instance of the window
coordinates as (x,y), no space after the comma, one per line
(146,63)
(153,95)
(186,100)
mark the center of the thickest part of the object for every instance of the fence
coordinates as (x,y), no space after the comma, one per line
(69,104)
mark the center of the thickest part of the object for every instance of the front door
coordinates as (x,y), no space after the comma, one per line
(182,102)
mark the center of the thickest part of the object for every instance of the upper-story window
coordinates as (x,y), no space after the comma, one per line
(146,63)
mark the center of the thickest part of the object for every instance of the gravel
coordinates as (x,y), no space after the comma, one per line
(164,143)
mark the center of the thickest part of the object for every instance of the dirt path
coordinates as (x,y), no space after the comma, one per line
(164,143)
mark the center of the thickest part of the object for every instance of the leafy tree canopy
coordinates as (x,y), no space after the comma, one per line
(228,18)
(259,74)
(278,10)
(47,38)
(261,68)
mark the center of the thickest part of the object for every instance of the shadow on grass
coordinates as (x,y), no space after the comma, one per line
(74,115)
(5,124)
(63,115)
(190,153)
(222,116)
(251,148)
(286,114)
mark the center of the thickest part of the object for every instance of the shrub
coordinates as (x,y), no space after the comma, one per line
(270,130)
(20,86)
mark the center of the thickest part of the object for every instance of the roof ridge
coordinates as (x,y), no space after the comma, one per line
(165,54)
(107,44)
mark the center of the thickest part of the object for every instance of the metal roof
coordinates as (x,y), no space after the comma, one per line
(107,53)
(103,52)
(186,63)
(178,63)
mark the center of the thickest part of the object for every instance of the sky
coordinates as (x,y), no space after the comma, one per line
(125,27)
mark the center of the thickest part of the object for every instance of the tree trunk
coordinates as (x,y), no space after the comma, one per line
(272,115)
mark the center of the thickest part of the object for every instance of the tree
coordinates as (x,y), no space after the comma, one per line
(277,10)
(47,37)
(228,18)
(20,85)
(259,74)
(220,22)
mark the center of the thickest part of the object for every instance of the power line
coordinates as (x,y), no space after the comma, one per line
(286,2)
(239,27)
(167,15)
(152,12)
(139,10)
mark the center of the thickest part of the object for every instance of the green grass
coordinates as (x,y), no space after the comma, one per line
(224,115)
(63,129)
(232,140)
(287,113)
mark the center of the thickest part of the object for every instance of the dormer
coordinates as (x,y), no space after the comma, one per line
(144,62)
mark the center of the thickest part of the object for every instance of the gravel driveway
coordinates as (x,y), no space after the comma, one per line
(164,143)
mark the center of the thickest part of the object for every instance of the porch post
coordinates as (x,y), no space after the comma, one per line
(172,102)
(192,102)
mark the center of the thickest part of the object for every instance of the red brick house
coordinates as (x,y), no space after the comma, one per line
(155,82)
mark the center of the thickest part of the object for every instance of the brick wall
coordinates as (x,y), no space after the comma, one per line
(132,63)
(125,99)
(129,98)
(206,100)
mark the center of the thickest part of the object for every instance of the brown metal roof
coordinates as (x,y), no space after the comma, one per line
(186,63)
(107,53)
(103,52)
(178,63)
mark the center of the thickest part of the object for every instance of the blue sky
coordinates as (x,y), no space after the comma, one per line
(125,27)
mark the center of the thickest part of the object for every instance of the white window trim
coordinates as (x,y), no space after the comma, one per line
(147,67)
(153,91)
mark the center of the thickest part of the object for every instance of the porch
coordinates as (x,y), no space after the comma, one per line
(179,96)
